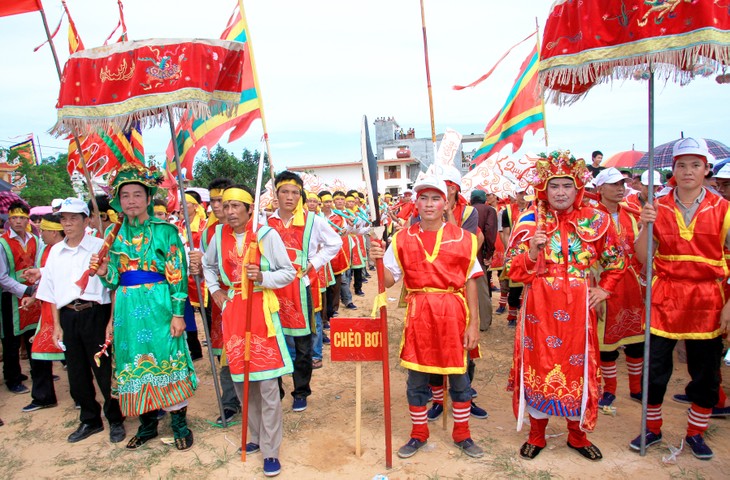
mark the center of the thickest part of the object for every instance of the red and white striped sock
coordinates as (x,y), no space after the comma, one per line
(654,418)
(438,394)
(419,422)
(608,372)
(503,298)
(635,366)
(697,420)
(461,412)
(512,314)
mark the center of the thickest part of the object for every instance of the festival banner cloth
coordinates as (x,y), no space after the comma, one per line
(116,85)
(15,7)
(586,43)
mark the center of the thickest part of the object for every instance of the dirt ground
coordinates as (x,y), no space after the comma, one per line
(320,442)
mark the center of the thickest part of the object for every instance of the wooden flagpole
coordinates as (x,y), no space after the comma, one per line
(258,89)
(198,287)
(433,141)
(542,93)
(249,305)
(87,176)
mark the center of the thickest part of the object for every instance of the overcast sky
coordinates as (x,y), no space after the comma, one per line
(323,64)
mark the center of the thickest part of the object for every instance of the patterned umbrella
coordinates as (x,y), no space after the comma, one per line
(6,198)
(625,159)
(663,153)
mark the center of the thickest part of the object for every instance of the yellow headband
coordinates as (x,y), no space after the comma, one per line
(339,195)
(17,212)
(237,194)
(160,209)
(287,182)
(216,192)
(349,197)
(190,199)
(326,198)
(48,225)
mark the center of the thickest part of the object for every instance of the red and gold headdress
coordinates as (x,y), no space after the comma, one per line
(558,164)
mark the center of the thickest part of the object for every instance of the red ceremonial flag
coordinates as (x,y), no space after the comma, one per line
(191,135)
(74,40)
(15,7)
(26,150)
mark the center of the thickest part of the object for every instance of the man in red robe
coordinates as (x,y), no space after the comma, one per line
(437,261)
(622,321)
(688,302)
(553,246)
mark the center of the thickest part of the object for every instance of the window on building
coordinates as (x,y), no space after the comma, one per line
(392,172)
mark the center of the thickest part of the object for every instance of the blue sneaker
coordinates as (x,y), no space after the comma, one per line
(19,389)
(500,310)
(410,448)
(300,404)
(699,447)
(473,393)
(651,439)
(272,467)
(478,412)
(470,448)
(435,411)
(718,412)
(251,448)
(606,400)
(681,398)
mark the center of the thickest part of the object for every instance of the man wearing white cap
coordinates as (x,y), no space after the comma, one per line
(637,200)
(690,230)
(56,204)
(82,321)
(440,281)
(723,181)
(621,323)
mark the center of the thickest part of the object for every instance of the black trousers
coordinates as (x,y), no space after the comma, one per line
(633,350)
(357,278)
(41,371)
(703,361)
(83,332)
(333,296)
(513,299)
(302,375)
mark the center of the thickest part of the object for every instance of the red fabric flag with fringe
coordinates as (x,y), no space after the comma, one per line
(586,43)
(15,7)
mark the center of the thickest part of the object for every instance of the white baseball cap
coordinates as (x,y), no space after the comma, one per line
(408,191)
(657,178)
(609,175)
(724,172)
(449,173)
(56,202)
(74,205)
(431,182)
(692,146)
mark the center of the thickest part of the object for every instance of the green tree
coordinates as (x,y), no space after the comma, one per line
(46,181)
(223,164)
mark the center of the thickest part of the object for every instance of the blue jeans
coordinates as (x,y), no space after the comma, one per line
(417,388)
(317,338)
(345,293)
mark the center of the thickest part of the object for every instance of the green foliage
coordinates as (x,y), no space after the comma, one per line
(223,164)
(46,181)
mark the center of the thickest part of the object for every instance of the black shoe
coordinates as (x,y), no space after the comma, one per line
(117,432)
(359,293)
(23,377)
(591,452)
(229,413)
(529,451)
(351,306)
(84,431)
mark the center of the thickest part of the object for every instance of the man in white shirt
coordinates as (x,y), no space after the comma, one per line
(82,321)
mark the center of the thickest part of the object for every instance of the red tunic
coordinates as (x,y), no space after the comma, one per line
(555,366)
(437,314)
(341,262)
(197,237)
(43,346)
(622,321)
(293,298)
(19,259)
(632,201)
(689,269)
(269,358)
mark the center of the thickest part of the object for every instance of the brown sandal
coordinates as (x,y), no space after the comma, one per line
(591,452)
(529,451)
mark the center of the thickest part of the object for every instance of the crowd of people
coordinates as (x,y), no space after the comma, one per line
(566,255)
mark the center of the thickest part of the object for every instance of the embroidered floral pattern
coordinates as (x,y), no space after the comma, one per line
(561,316)
(553,342)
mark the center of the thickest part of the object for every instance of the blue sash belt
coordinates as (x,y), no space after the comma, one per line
(139,277)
